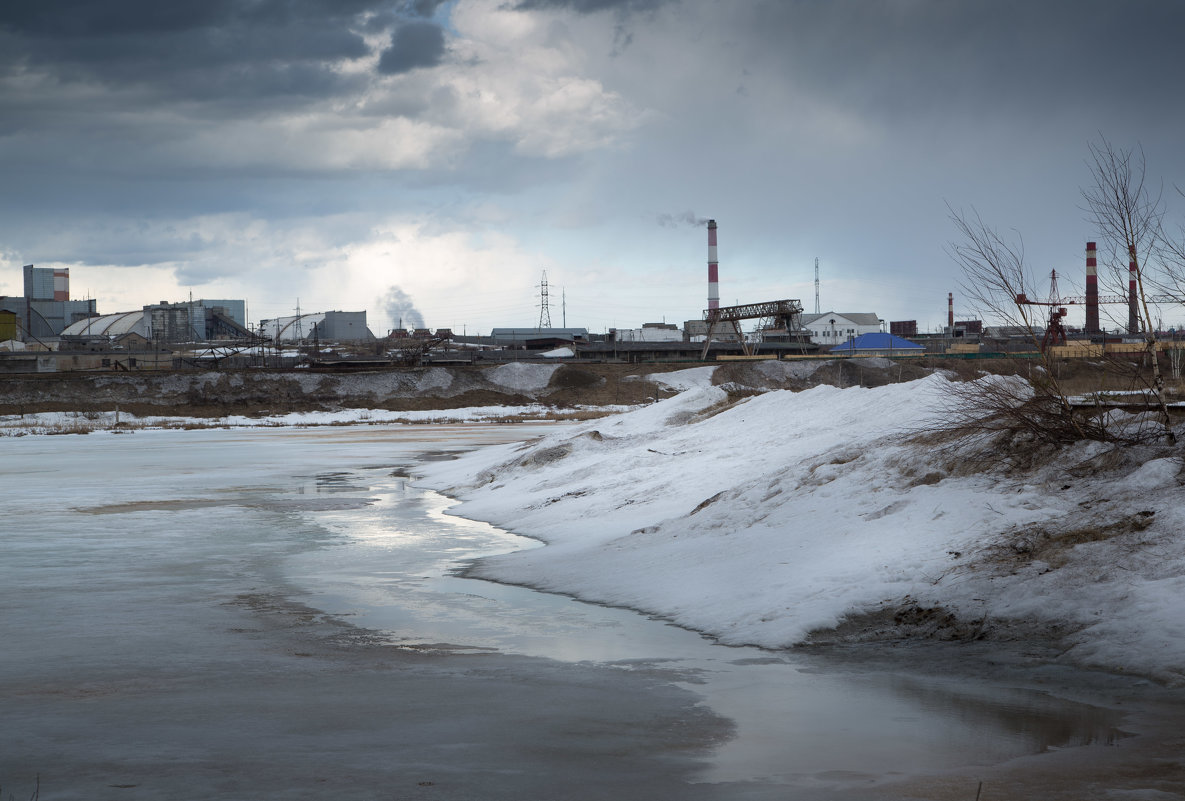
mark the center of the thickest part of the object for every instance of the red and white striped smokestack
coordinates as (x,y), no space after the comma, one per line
(1133,310)
(950,310)
(1092,290)
(713,268)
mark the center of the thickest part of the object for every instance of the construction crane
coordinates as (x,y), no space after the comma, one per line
(1055,332)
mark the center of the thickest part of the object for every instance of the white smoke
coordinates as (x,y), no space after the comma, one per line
(401,310)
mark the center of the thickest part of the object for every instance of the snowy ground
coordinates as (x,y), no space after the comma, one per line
(811,516)
(86,422)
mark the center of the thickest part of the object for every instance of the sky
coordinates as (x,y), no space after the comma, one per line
(429,161)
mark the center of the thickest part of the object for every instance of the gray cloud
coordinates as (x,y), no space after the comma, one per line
(809,129)
(929,56)
(422,8)
(592,6)
(413,45)
(189,51)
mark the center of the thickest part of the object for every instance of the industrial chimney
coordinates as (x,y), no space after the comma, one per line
(1092,290)
(1133,310)
(713,268)
(950,311)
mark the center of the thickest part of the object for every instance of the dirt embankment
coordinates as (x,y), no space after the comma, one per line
(216,393)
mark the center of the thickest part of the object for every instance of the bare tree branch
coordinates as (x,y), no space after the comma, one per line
(995,279)
(1130,222)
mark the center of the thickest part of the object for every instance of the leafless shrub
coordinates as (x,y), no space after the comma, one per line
(996,279)
(1010,404)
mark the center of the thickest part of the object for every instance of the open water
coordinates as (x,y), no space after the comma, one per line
(153,528)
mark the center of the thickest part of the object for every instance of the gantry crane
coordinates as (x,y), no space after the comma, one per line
(1055,332)
(780,313)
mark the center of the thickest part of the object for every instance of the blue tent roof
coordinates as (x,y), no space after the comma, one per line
(877,341)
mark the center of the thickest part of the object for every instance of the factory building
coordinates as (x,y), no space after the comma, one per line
(649,332)
(533,338)
(877,343)
(330,326)
(191,321)
(45,309)
(834,328)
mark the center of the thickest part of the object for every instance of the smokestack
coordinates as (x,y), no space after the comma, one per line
(61,284)
(950,310)
(713,268)
(1092,290)
(1133,310)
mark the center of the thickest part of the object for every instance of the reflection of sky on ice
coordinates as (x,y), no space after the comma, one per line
(396,575)
(156,526)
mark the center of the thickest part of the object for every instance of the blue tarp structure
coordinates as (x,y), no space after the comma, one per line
(878,343)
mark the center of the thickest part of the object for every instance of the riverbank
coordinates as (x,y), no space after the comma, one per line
(821,516)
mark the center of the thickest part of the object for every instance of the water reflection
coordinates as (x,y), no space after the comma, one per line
(395,572)
(1043,721)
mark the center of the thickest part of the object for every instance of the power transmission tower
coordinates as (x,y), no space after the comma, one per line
(544,312)
(817,310)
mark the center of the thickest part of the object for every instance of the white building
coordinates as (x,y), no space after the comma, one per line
(330,326)
(650,332)
(835,328)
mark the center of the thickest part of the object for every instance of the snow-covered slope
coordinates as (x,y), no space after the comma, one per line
(787,514)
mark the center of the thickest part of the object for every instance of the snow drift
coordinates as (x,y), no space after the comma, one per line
(789,517)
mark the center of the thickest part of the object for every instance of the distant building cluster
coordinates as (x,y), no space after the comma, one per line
(45,309)
(44,331)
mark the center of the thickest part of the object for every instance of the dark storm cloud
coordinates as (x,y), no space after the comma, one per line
(591,6)
(899,58)
(422,8)
(414,44)
(191,50)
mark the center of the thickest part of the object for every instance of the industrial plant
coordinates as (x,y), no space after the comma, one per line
(46,331)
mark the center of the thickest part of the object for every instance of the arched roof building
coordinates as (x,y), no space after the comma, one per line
(109,325)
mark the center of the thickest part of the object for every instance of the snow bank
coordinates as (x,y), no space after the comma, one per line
(789,513)
(522,376)
(680,380)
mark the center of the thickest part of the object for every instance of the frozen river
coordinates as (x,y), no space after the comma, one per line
(281,613)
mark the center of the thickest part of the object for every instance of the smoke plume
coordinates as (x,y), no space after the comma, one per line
(401,310)
(681,219)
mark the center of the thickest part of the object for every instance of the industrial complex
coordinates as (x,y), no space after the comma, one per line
(44,330)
